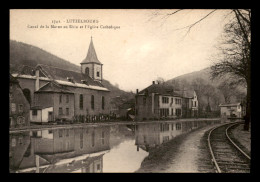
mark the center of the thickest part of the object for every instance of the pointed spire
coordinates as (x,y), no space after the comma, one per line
(91,55)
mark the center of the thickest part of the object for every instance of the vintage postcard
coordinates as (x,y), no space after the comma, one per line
(130,91)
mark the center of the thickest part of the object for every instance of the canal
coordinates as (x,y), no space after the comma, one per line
(104,148)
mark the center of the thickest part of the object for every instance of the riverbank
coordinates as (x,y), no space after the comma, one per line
(242,137)
(56,126)
(182,154)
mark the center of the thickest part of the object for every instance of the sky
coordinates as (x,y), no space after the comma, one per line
(142,46)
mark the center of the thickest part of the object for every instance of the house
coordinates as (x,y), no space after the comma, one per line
(40,114)
(70,94)
(161,101)
(231,110)
(18,105)
(189,103)
(122,108)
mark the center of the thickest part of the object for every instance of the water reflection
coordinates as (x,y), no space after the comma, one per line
(117,148)
(150,135)
(74,150)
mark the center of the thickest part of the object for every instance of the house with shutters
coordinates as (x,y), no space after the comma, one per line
(160,101)
(56,93)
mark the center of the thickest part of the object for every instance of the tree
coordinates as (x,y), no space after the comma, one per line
(160,80)
(235,60)
(228,90)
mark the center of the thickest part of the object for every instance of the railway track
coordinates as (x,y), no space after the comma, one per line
(226,155)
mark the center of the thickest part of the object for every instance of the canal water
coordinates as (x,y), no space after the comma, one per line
(88,149)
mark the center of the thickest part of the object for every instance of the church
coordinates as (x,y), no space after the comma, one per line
(57,94)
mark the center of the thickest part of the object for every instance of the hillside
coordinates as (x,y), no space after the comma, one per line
(25,54)
(206,88)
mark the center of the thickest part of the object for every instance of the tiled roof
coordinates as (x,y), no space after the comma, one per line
(63,75)
(91,55)
(231,104)
(186,93)
(162,89)
(52,87)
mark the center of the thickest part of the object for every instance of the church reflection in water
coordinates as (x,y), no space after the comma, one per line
(59,150)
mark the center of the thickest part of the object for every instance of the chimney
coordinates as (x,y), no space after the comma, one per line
(37,82)
(153,82)
(137,91)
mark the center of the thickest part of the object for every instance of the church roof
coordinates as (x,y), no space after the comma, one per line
(56,74)
(91,56)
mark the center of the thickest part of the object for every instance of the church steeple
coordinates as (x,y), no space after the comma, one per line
(91,55)
(91,66)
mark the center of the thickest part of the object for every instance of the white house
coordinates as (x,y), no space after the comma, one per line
(41,114)
(231,110)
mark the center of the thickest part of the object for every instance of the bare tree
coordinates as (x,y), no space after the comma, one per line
(236,52)
(160,80)
(235,59)
(228,90)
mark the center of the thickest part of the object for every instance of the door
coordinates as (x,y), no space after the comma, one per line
(50,116)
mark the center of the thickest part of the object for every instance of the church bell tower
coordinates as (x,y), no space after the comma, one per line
(91,66)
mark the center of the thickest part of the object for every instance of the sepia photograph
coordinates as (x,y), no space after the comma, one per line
(129,90)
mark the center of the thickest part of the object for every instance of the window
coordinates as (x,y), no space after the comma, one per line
(93,139)
(165,100)
(178,126)
(20,120)
(60,98)
(81,101)
(98,74)
(67,111)
(87,71)
(20,108)
(20,140)
(67,99)
(13,106)
(98,167)
(34,112)
(92,102)
(195,103)
(60,133)
(13,142)
(81,140)
(144,100)
(60,110)
(68,132)
(178,112)
(103,102)
(103,137)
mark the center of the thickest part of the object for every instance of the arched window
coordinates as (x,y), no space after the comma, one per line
(92,102)
(81,140)
(81,101)
(93,139)
(27,94)
(87,71)
(103,102)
